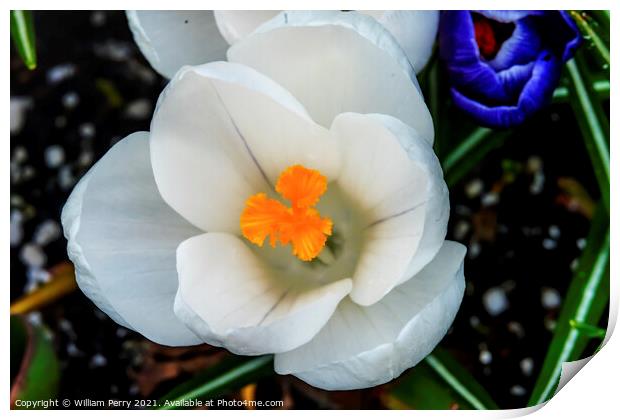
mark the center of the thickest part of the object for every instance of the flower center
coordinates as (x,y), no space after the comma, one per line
(301,225)
(490,35)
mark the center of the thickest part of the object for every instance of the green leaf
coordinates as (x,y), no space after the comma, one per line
(592,122)
(439,382)
(232,373)
(34,367)
(470,151)
(585,301)
(22,32)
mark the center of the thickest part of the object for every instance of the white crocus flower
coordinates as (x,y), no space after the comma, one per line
(165,231)
(171,39)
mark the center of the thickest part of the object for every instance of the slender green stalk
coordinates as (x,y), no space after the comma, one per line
(587,297)
(593,123)
(601,87)
(460,380)
(591,34)
(469,152)
(22,32)
(236,372)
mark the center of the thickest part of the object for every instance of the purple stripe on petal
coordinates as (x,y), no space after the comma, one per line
(522,47)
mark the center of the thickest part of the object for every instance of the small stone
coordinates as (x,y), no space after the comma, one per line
(98,18)
(474,250)
(86,158)
(47,232)
(581,243)
(54,156)
(517,391)
(87,130)
(461,229)
(490,199)
(35,318)
(17,230)
(474,188)
(549,244)
(554,231)
(527,366)
(550,298)
(18,108)
(516,328)
(28,172)
(98,360)
(32,255)
(70,100)
(538,183)
(550,323)
(485,357)
(139,109)
(37,276)
(534,164)
(495,301)
(474,321)
(60,73)
(20,154)
(121,332)
(66,179)
(72,350)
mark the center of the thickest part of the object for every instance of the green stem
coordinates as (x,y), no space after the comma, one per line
(460,380)
(586,299)
(590,34)
(22,32)
(600,87)
(239,372)
(469,152)
(593,123)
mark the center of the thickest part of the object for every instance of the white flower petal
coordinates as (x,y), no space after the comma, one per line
(122,240)
(415,31)
(361,347)
(236,24)
(231,298)
(335,62)
(171,39)
(223,132)
(393,176)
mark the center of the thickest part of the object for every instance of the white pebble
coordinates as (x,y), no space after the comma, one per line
(474,250)
(87,130)
(538,183)
(66,179)
(17,110)
(581,243)
(54,156)
(474,188)
(485,357)
(47,232)
(474,321)
(517,391)
(97,18)
(98,360)
(527,366)
(72,350)
(20,154)
(461,229)
(60,72)
(549,244)
(490,199)
(139,109)
(495,301)
(17,230)
(70,100)
(554,231)
(550,298)
(35,318)
(516,328)
(32,255)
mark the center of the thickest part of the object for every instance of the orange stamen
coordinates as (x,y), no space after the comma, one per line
(301,225)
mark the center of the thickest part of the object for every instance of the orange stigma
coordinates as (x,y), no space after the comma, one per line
(301,224)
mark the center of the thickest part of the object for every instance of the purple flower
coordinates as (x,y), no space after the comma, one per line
(504,65)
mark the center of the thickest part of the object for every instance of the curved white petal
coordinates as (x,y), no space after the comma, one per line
(236,24)
(223,132)
(437,194)
(391,174)
(122,239)
(362,347)
(170,39)
(231,298)
(335,62)
(415,31)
